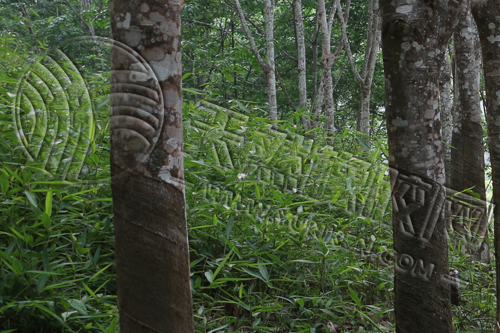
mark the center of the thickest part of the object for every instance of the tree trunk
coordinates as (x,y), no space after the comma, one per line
(327,61)
(268,67)
(152,252)
(271,73)
(466,170)
(445,105)
(363,123)
(328,58)
(487,17)
(414,38)
(301,62)
(365,79)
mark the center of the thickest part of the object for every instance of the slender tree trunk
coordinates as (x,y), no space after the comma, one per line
(268,67)
(363,123)
(365,79)
(301,61)
(152,252)
(445,105)
(326,65)
(414,39)
(271,73)
(487,17)
(466,170)
(314,43)
(328,58)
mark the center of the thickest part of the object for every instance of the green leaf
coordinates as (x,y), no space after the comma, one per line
(113,325)
(220,266)
(46,221)
(78,306)
(48,311)
(355,297)
(18,266)
(263,271)
(254,274)
(229,227)
(104,102)
(41,283)
(4,183)
(210,276)
(31,198)
(362,143)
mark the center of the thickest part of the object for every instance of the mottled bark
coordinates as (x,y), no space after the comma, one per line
(314,45)
(414,39)
(365,79)
(445,105)
(301,61)
(487,17)
(268,67)
(152,252)
(271,74)
(328,59)
(466,168)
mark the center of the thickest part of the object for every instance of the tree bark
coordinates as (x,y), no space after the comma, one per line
(328,58)
(271,75)
(365,79)
(152,252)
(268,67)
(466,169)
(445,105)
(327,61)
(301,62)
(414,38)
(487,17)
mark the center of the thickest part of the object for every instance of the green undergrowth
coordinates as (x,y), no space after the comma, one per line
(267,254)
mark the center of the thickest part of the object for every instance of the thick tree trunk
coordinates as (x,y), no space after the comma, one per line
(152,252)
(301,61)
(414,38)
(466,169)
(487,17)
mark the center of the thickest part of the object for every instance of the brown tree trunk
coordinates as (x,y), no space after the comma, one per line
(487,17)
(152,252)
(414,38)
(466,169)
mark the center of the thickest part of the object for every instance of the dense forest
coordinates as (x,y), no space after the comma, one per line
(293,138)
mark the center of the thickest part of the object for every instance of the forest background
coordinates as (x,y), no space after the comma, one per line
(294,264)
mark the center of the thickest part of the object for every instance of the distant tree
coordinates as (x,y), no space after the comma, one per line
(365,78)
(414,41)
(268,65)
(152,252)
(487,16)
(466,167)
